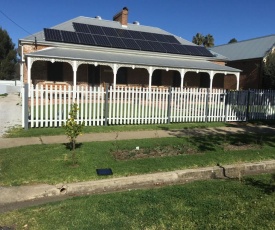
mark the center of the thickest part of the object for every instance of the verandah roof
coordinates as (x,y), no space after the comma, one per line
(137,59)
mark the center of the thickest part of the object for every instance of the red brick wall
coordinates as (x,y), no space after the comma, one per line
(251,75)
(191,79)
(28,49)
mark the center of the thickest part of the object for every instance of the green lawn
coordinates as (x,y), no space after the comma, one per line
(36,132)
(52,163)
(216,204)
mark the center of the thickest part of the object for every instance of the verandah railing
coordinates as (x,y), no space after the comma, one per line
(49,106)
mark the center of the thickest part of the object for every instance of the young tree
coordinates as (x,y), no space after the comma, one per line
(73,129)
(269,69)
(8,57)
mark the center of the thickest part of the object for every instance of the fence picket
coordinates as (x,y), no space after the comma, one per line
(49,106)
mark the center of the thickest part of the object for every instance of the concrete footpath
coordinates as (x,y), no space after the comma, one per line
(112,136)
(24,196)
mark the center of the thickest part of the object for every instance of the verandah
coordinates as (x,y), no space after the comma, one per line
(98,106)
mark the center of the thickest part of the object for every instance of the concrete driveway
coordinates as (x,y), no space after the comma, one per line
(10,112)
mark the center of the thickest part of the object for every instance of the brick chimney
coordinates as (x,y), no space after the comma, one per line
(122,17)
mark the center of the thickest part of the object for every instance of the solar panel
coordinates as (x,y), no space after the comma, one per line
(96,30)
(86,39)
(130,44)
(170,48)
(157,46)
(148,36)
(193,50)
(182,49)
(204,51)
(108,31)
(69,37)
(101,40)
(53,35)
(123,33)
(144,45)
(122,38)
(160,38)
(171,39)
(136,35)
(117,42)
(79,27)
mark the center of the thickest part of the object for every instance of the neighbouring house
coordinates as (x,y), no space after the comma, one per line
(93,51)
(249,56)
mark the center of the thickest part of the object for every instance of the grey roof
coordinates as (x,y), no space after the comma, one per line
(248,49)
(129,58)
(68,26)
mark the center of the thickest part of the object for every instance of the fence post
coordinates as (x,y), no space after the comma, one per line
(25,109)
(207,105)
(106,104)
(247,105)
(169,105)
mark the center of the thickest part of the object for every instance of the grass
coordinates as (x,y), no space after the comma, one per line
(36,132)
(216,204)
(52,163)
(3,95)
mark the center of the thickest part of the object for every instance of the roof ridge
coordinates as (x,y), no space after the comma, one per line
(251,39)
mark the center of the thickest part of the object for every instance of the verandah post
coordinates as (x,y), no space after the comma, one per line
(25,108)
(169,105)
(106,105)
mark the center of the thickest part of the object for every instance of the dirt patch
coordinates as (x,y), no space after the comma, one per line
(240,146)
(166,151)
(159,151)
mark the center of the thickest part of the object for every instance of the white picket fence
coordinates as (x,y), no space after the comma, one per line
(50,106)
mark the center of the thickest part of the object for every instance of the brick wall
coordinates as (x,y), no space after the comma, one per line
(251,75)
(28,49)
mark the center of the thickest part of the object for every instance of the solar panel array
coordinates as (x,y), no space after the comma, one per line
(125,39)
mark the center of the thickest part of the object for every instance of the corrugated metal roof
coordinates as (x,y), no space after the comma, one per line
(68,26)
(248,49)
(129,58)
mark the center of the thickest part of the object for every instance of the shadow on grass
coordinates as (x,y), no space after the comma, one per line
(265,186)
(70,147)
(208,140)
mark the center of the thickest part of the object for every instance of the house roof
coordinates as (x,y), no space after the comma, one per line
(248,49)
(129,58)
(68,26)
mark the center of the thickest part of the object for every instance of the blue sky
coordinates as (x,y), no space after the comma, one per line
(224,19)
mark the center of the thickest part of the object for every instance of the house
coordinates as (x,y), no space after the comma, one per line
(94,51)
(248,56)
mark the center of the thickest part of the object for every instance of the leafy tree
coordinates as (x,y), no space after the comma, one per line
(73,129)
(198,39)
(8,57)
(208,41)
(269,69)
(233,40)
